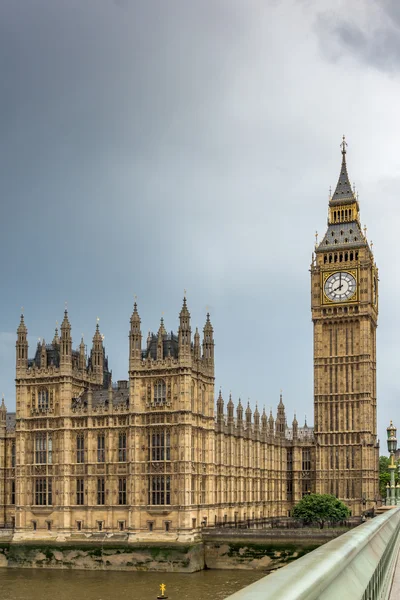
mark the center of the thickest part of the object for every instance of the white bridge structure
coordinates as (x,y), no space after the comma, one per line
(361,564)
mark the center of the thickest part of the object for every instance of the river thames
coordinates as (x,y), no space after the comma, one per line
(37,584)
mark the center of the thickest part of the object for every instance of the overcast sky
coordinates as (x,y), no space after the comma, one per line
(155,146)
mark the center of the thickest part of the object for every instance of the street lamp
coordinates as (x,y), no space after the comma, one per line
(392,447)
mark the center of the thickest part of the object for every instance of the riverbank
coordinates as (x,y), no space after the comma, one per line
(262,550)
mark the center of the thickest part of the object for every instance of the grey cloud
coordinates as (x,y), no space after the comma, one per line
(373,36)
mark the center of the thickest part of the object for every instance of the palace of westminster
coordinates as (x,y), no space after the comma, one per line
(153,454)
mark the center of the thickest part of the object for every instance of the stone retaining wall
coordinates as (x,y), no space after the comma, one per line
(143,557)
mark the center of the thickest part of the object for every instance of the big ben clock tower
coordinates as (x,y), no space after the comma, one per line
(344,304)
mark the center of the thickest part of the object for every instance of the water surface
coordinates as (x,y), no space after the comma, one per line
(46,584)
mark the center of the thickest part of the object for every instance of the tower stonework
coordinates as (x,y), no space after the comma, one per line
(344,304)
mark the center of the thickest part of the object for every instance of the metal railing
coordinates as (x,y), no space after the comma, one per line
(358,565)
(281,523)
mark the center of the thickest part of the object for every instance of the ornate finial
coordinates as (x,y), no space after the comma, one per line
(343,145)
(65,307)
(316,238)
(365,231)
(330,192)
(371,244)
(22,311)
(354,186)
(184,293)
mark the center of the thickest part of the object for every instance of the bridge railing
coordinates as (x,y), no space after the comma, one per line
(358,565)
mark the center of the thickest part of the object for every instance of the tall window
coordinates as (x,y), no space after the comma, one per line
(80,492)
(80,448)
(193,490)
(13,456)
(101,493)
(122,447)
(160,392)
(160,489)
(306,460)
(160,445)
(289,459)
(43,491)
(122,491)
(101,448)
(13,491)
(43,399)
(43,449)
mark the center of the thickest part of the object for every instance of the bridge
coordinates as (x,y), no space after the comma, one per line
(361,564)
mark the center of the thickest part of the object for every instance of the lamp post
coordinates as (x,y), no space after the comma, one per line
(398,484)
(392,447)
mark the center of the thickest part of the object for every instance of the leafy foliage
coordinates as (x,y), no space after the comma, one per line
(320,508)
(384,475)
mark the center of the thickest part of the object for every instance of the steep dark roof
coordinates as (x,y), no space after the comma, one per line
(343,193)
(170,346)
(342,236)
(101,397)
(10,421)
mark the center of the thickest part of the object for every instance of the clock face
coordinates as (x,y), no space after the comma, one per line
(340,287)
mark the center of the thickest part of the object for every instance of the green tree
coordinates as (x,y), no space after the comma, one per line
(320,508)
(384,475)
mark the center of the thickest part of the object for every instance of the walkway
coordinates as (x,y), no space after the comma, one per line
(395,591)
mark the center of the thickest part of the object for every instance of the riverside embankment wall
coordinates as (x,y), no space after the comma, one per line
(261,550)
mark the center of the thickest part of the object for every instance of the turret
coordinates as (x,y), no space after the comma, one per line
(3,417)
(65,342)
(256,419)
(160,340)
(248,416)
(56,338)
(82,355)
(220,408)
(196,346)
(135,340)
(22,346)
(239,415)
(295,428)
(184,333)
(97,356)
(208,343)
(43,355)
(264,422)
(271,424)
(280,423)
(230,408)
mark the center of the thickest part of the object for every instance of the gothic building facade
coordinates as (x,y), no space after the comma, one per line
(154,454)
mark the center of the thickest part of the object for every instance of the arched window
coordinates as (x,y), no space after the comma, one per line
(160,392)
